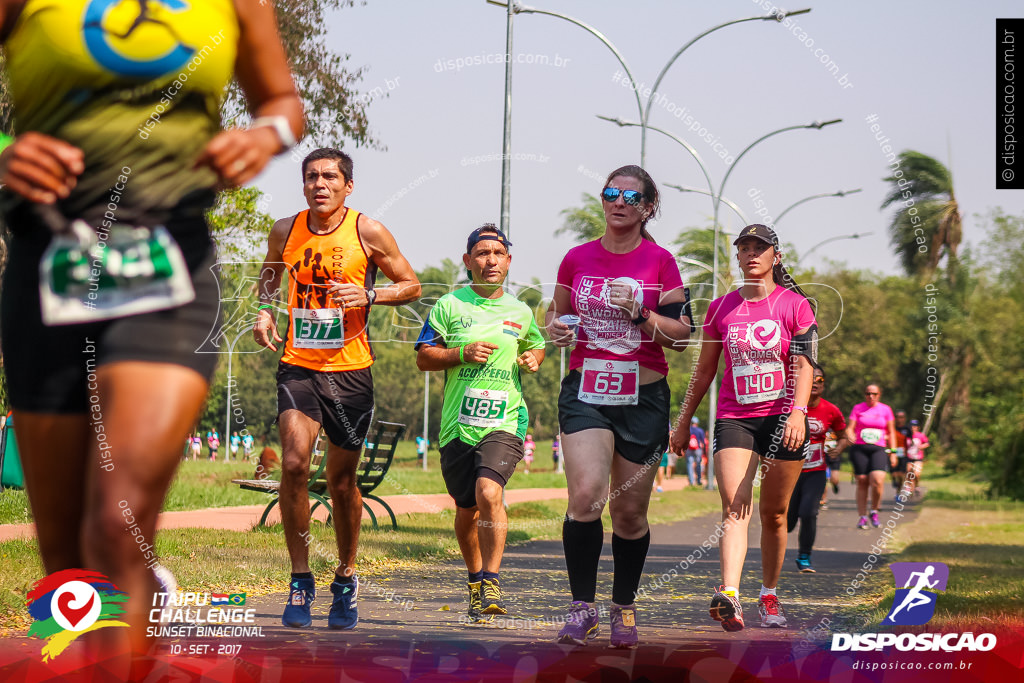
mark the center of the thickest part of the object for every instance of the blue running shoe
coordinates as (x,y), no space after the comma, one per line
(300,600)
(803,563)
(344,614)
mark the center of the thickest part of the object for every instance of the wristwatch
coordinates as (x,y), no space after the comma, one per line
(371,296)
(642,316)
(281,127)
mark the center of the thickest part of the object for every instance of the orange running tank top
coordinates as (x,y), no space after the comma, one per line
(321,335)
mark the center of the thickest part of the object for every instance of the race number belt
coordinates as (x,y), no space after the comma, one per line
(814,457)
(756,383)
(871,435)
(83,278)
(610,382)
(318,328)
(483,407)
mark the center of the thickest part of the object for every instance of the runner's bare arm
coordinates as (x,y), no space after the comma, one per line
(558,332)
(265,328)
(261,68)
(440,357)
(703,376)
(383,251)
(796,423)
(531,359)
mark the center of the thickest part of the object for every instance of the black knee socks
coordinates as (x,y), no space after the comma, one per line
(582,542)
(630,556)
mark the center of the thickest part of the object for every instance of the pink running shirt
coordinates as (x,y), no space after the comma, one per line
(606,332)
(871,427)
(755,337)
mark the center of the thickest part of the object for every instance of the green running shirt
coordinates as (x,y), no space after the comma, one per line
(479,399)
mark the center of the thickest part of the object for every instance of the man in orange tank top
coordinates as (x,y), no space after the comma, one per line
(332,254)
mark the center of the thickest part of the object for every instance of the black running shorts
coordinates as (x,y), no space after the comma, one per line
(494,458)
(49,368)
(763,435)
(641,431)
(341,401)
(868,457)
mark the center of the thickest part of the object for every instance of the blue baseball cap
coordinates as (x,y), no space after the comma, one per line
(486,232)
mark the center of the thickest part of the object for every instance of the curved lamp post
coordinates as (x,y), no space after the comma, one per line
(840,193)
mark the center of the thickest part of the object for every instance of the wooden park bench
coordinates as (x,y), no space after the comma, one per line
(373,466)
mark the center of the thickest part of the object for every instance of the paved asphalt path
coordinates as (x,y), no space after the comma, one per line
(393,642)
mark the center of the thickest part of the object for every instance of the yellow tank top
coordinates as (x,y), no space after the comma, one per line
(321,335)
(135,84)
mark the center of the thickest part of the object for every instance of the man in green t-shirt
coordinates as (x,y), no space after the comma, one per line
(482,338)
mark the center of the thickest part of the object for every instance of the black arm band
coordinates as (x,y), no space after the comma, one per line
(806,344)
(671,310)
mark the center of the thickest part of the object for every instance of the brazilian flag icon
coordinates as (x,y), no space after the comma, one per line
(237,599)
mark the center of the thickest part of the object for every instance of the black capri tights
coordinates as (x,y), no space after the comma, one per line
(804,505)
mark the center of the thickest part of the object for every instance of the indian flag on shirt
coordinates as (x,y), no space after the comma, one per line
(511,327)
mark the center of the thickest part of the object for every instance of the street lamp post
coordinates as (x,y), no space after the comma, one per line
(716,198)
(840,193)
(853,236)
(728,202)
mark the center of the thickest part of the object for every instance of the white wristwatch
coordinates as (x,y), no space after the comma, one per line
(280,124)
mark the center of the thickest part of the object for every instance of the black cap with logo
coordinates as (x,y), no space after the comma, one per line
(758,231)
(486,232)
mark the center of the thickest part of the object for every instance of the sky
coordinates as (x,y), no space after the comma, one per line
(923,71)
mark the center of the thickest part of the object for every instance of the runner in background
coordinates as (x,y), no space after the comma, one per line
(822,417)
(613,405)
(528,448)
(197,445)
(213,442)
(917,444)
(248,444)
(482,337)
(768,332)
(556,451)
(660,477)
(871,433)
(898,459)
(233,443)
(695,449)
(422,446)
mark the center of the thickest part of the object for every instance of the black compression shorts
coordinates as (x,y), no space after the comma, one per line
(341,401)
(763,435)
(49,368)
(494,458)
(641,431)
(868,457)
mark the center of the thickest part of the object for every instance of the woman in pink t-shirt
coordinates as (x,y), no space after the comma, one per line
(613,408)
(768,334)
(872,430)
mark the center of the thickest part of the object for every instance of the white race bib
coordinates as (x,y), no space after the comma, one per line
(83,278)
(610,382)
(757,383)
(814,457)
(483,407)
(318,328)
(871,435)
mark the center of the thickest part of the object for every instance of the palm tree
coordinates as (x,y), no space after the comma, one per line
(585,223)
(695,256)
(927,225)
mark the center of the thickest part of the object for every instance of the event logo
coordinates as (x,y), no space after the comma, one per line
(71,602)
(914,604)
(764,334)
(119,50)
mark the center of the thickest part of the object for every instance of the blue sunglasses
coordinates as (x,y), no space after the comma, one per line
(631,197)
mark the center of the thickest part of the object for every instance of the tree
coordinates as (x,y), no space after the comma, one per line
(584,223)
(695,255)
(927,224)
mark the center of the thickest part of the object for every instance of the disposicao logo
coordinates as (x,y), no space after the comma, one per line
(914,605)
(71,602)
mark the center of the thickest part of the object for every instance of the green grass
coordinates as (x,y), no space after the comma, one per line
(256,562)
(981,542)
(203,484)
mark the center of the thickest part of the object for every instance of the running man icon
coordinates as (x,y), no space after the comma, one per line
(916,599)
